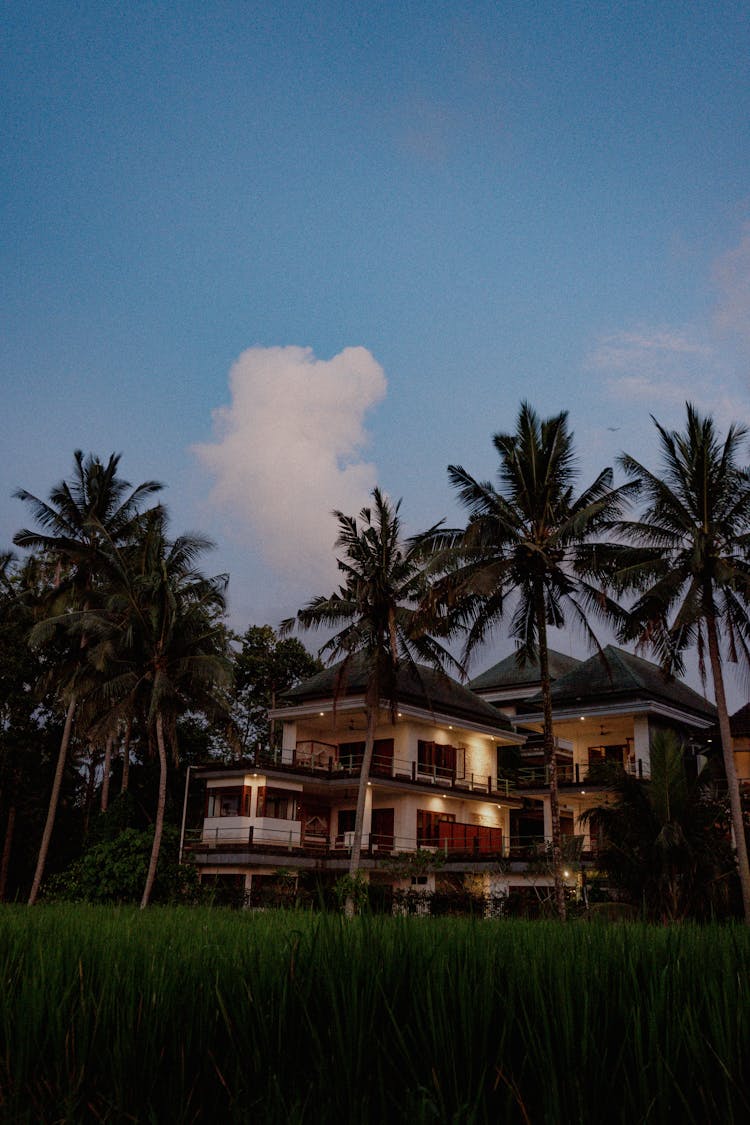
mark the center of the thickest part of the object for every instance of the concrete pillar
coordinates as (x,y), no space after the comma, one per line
(547,807)
(367,823)
(642,744)
(581,828)
(288,742)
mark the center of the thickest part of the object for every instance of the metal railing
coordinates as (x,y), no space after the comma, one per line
(593,773)
(319,757)
(456,840)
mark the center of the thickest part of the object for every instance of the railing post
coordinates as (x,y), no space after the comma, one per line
(414,771)
(489,784)
(578,774)
(640,769)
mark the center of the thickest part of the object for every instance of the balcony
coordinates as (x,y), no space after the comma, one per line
(573,775)
(453,841)
(322,759)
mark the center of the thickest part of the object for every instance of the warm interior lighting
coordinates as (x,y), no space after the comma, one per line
(566,874)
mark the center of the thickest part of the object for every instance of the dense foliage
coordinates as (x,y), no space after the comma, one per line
(181,1016)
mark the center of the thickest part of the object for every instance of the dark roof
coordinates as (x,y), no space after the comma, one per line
(417,685)
(618,676)
(739,723)
(510,674)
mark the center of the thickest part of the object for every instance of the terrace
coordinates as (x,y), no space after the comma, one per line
(450,840)
(571,775)
(311,757)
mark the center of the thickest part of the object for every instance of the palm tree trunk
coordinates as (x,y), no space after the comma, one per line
(107,768)
(161,803)
(88,801)
(126,755)
(359,817)
(550,756)
(7,844)
(735,801)
(53,802)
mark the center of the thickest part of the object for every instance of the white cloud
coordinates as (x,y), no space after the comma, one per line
(288,449)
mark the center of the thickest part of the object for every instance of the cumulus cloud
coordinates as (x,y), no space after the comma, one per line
(289,448)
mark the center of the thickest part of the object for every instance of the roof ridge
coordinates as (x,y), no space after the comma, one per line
(624,664)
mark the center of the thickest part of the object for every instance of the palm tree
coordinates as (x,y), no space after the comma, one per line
(529,545)
(664,840)
(159,641)
(94,506)
(380,613)
(688,561)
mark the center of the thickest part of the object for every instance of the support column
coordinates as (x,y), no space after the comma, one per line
(547,808)
(288,743)
(642,744)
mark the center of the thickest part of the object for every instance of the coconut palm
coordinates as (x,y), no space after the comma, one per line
(158,641)
(381,620)
(527,550)
(94,507)
(688,560)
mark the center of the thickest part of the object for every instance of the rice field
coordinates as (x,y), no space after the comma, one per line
(192,1015)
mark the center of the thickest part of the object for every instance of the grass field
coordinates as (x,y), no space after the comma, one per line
(180,1015)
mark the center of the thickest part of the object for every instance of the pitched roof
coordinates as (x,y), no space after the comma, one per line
(739,723)
(418,685)
(618,676)
(508,673)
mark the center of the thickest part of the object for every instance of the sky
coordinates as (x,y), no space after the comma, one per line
(276,254)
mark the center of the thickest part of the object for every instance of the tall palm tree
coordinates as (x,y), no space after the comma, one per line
(94,506)
(688,560)
(528,547)
(379,611)
(159,641)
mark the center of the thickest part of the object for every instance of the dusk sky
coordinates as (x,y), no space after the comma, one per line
(275,254)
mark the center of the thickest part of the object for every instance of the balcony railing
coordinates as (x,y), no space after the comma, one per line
(323,758)
(454,840)
(595,773)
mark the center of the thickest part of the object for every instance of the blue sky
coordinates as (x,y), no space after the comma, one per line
(390,222)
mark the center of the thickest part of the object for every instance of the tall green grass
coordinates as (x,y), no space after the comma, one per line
(195,1015)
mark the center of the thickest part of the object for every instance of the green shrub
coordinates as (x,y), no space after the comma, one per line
(114,871)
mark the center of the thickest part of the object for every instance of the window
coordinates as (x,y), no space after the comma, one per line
(614,754)
(346,820)
(228,801)
(278,804)
(441,759)
(428,832)
(381,830)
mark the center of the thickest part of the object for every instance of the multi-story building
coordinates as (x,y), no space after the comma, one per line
(457,773)
(605,710)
